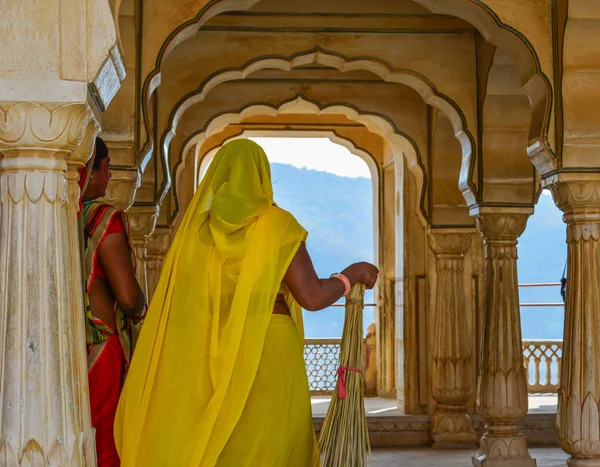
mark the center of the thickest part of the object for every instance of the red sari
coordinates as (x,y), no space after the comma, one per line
(109,350)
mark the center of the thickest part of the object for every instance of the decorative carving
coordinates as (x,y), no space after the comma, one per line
(493,225)
(502,383)
(578,415)
(452,366)
(39,128)
(122,187)
(44,407)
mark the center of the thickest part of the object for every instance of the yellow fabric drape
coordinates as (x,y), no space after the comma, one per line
(201,344)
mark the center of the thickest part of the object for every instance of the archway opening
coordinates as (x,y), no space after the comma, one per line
(541,266)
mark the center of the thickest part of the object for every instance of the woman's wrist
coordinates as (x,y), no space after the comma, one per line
(344,280)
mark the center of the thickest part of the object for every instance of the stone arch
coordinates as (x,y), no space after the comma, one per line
(533,80)
(402,145)
(425,88)
(506,118)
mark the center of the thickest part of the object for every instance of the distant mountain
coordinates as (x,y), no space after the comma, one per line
(338,214)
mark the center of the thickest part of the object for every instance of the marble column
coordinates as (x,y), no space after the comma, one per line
(142,220)
(503,399)
(44,402)
(452,376)
(579,393)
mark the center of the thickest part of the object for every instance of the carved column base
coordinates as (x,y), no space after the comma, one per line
(502,450)
(451,427)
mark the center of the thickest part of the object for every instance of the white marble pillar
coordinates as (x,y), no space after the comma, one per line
(44,403)
(502,395)
(452,376)
(579,393)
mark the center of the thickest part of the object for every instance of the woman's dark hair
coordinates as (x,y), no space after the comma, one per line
(101,153)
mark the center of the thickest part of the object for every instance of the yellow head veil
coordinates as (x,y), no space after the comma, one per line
(201,343)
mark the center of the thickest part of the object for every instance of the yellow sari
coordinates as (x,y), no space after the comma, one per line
(216,378)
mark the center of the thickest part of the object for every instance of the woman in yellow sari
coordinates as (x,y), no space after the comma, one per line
(218,376)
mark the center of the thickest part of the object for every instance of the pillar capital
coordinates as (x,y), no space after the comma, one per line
(577,196)
(44,130)
(142,220)
(502,223)
(450,241)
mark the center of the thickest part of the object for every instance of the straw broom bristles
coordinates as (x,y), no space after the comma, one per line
(344,437)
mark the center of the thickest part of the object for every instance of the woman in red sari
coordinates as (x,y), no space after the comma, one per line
(114,301)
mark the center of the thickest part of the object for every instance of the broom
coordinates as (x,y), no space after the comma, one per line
(344,437)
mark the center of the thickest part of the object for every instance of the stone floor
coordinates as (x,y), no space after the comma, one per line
(427,457)
(538,403)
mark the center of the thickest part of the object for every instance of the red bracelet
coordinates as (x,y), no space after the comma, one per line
(344,280)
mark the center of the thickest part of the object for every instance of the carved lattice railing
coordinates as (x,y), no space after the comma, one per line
(542,360)
(321,358)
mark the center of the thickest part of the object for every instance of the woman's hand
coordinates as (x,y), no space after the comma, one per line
(364,272)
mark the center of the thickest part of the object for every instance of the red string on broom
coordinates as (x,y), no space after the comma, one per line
(341,371)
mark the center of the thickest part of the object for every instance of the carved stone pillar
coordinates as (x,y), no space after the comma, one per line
(142,220)
(579,394)
(44,402)
(452,367)
(502,379)
(158,244)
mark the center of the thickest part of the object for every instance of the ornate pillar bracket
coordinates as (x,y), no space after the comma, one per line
(579,394)
(502,392)
(452,366)
(44,402)
(142,221)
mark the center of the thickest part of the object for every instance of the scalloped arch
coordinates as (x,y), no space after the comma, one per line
(425,88)
(401,144)
(535,83)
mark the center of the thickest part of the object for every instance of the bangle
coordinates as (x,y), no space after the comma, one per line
(344,280)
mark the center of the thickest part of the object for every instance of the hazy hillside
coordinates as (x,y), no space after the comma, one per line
(337,212)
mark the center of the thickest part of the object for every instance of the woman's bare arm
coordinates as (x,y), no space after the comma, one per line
(115,258)
(315,294)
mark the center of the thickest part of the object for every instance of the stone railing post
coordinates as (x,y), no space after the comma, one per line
(44,401)
(503,399)
(579,392)
(452,366)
